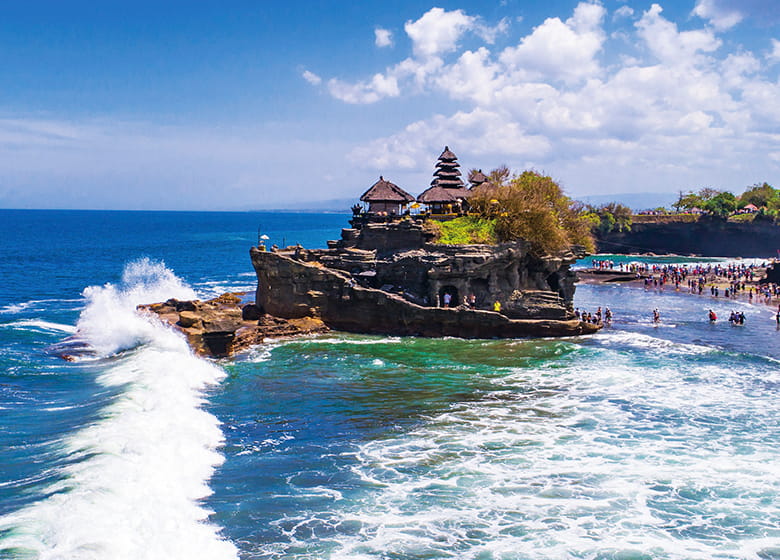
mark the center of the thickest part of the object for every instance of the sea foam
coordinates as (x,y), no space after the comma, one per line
(134,490)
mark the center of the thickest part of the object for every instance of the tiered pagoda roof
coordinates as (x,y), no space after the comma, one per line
(476,179)
(447,185)
(385,191)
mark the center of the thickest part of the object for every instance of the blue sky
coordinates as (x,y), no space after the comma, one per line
(270,105)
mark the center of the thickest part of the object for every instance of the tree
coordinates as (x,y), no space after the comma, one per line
(532,207)
(499,176)
(760,195)
(690,201)
(722,204)
(612,216)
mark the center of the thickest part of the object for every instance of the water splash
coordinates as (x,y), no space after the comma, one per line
(136,477)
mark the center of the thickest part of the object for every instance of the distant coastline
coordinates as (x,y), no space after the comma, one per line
(705,237)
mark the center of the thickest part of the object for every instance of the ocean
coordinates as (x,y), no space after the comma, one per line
(644,441)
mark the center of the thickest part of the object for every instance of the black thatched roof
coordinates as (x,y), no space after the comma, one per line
(447,182)
(385,191)
(478,178)
(447,174)
(437,194)
(447,155)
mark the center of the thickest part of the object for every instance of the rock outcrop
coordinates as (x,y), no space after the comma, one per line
(222,326)
(294,289)
(388,279)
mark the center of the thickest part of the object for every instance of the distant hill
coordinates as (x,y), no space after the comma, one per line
(635,201)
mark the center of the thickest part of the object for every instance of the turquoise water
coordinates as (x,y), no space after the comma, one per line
(644,441)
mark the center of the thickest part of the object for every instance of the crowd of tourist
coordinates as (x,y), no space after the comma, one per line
(720,280)
(597,318)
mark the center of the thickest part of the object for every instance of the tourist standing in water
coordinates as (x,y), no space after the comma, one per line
(656,316)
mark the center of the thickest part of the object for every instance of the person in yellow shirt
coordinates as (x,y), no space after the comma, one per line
(497,306)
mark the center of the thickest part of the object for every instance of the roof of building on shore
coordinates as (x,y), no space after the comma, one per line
(448,182)
(385,191)
(477,178)
(447,174)
(437,194)
(447,154)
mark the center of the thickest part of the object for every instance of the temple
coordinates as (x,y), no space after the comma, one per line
(387,275)
(447,195)
(386,198)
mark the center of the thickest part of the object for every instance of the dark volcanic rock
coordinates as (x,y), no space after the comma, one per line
(708,237)
(293,288)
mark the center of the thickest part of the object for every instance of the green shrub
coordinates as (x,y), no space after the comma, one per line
(467,230)
(742,218)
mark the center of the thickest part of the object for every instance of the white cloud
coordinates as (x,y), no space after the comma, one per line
(774,55)
(671,110)
(559,50)
(311,77)
(473,76)
(480,132)
(624,11)
(670,45)
(719,14)
(102,163)
(383,37)
(378,87)
(438,31)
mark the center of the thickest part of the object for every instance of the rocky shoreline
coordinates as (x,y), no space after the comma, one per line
(222,326)
(388,278)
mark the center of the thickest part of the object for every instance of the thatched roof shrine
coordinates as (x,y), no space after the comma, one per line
(447,174)
(447,186)
(477,178)
(385,191)
(438,195)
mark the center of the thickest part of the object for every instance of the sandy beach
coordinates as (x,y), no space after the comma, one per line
(752,293)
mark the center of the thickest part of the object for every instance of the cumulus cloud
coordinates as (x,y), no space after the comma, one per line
(371,91)
(311,77)
(774,54)
(383,37)
(720,14)
(434,35)
(672,109)
(624,11)
(669,44)
(438,31)
(558,50)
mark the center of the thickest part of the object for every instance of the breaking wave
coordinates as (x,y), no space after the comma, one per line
(136,477)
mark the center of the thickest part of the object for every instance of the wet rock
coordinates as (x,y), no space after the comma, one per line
(221,327)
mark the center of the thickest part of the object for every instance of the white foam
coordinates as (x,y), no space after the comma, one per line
(646,342)
(38,324)
(596,464)
(36,304)
(144,467)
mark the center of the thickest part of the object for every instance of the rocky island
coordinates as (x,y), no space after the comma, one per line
(387,274)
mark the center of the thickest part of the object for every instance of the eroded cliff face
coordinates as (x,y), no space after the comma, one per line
(707,238)
(389,279)
(291,288)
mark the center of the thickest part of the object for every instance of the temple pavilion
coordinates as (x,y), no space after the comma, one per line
(447,193)
(477,179)
(384,197)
